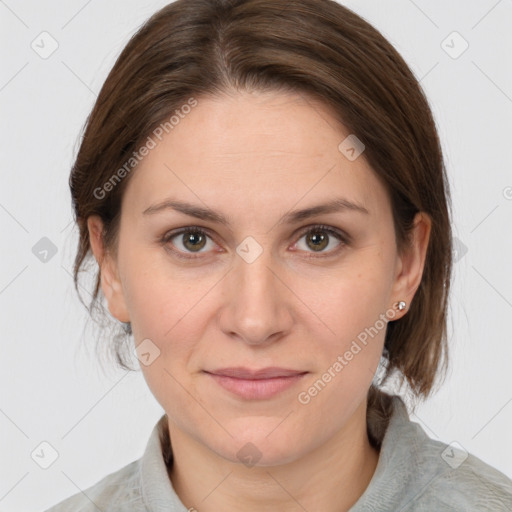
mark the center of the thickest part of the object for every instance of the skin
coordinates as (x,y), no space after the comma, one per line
(254,157)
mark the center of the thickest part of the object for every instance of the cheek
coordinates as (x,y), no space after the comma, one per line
(169,308)
(353,315)
(151,290)
(352,299)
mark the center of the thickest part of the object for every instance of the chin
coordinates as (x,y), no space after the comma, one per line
(256,447)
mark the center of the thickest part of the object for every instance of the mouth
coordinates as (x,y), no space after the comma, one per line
(256,384)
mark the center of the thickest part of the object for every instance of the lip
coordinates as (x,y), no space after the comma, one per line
(256,384)
(239,372)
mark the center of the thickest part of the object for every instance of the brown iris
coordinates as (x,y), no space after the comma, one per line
(195,239)
(319,240)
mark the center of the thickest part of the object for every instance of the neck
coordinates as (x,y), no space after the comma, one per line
(330,478)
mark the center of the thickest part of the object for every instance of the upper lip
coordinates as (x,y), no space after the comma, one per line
(247,373)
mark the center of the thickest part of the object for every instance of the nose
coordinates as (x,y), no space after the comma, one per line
(257,307)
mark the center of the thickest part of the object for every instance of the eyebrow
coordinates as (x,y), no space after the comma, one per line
(294,216)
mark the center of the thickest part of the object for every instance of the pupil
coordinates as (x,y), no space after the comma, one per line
(318,238)
(194,239)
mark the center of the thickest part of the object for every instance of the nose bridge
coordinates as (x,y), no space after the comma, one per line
(253,262)
(255,277)
(255,309)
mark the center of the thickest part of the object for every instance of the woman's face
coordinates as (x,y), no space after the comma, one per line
(264,288)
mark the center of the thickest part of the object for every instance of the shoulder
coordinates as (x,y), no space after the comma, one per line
(119,491)
(459,480)
(445,476)
(420,474)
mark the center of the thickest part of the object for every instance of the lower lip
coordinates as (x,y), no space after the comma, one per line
(256,389)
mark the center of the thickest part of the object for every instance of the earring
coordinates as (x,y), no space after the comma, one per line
(400,305)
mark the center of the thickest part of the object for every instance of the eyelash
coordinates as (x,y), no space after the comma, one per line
(344,239)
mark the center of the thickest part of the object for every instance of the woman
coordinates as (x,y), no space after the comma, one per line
(262,185)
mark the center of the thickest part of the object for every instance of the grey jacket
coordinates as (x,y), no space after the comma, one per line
(414,473)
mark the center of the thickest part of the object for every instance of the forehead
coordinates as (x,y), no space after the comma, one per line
(262,149)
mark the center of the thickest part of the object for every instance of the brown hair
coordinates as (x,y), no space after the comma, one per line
(195,48)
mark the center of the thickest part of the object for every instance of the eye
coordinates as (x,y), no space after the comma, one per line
(195,240)
(188,240)
(318,237)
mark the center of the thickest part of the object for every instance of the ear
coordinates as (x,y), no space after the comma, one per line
(411,262)
(110,282)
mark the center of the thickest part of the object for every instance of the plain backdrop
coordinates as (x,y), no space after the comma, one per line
(53,390)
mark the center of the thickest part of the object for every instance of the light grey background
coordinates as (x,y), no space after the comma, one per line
(53,390)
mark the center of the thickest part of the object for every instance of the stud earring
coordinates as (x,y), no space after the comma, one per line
(400,305)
